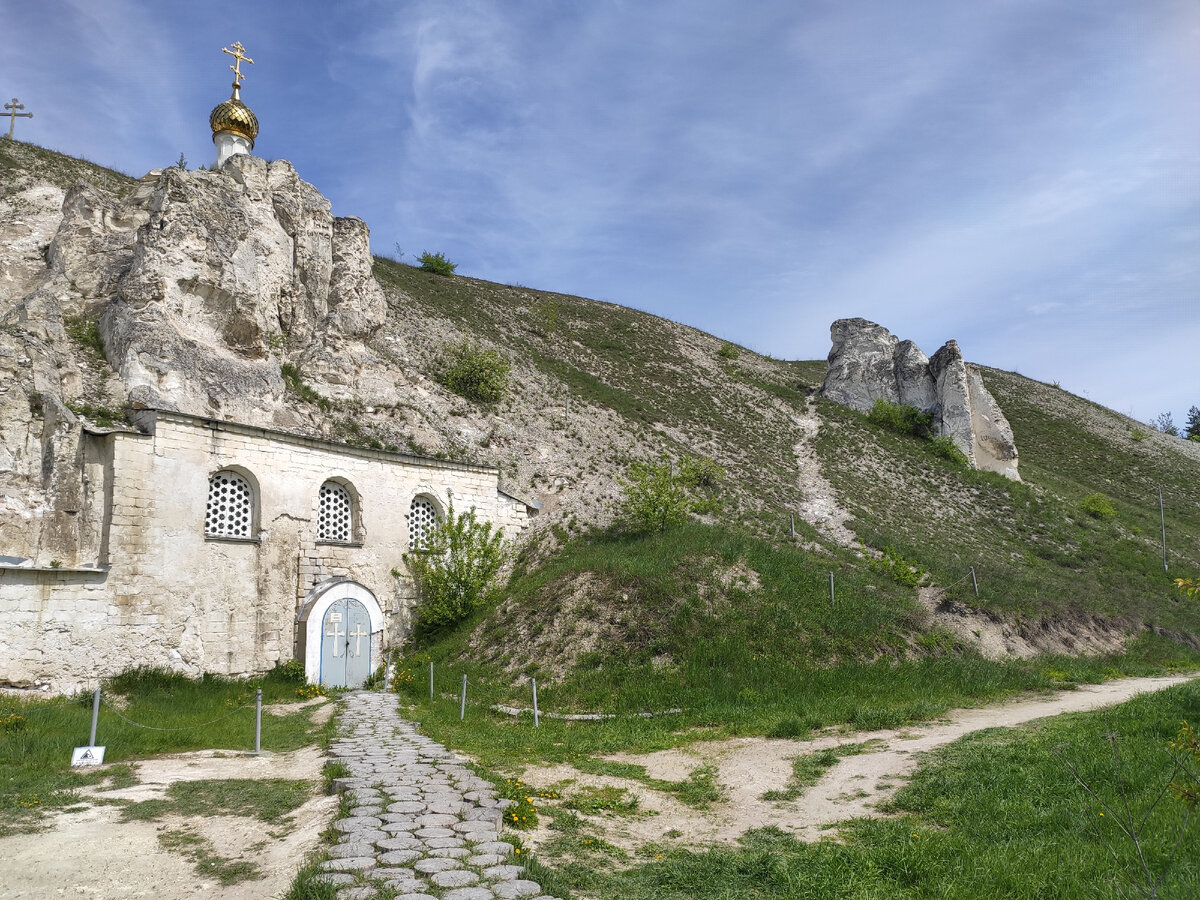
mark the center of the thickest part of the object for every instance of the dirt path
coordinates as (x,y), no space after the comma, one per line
(90,853)
(853,787)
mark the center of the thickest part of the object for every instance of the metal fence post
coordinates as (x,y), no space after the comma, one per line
(974,582)
(462,705)
(431,681)
(258,722)
(831,589)
(95,716)
(535,706)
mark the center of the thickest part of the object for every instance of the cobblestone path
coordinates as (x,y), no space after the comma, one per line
(422,826)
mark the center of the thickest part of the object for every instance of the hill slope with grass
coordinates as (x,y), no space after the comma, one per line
(1069,560)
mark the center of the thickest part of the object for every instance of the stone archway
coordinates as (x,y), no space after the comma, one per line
(342,658)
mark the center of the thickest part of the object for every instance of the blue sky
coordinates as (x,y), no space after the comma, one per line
(1021,176)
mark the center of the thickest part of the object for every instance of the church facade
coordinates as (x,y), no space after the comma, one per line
(213,546)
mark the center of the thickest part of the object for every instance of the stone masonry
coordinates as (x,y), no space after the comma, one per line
(422,826)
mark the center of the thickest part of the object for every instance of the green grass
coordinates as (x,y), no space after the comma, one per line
(996,814)
(270,799)
(684,626)
(808,768)
(209,864)
(700,790)
(211,712)
(20,161)
(1035,551)
(607,800)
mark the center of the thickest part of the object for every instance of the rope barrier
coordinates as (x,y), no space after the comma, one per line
(129,721)
(16,711)
(583,717)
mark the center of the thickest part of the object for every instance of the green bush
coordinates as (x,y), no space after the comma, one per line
(900,570)
(900,418)
(655,497)
(1098,506)
(293,381)
(728,351)
(455,572)
(662,495)
(943,445)
(474,373)
(436,263)
(700,471)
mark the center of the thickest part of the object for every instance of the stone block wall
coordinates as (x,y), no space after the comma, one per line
(168,595)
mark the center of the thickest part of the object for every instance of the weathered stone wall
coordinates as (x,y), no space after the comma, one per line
(173,597)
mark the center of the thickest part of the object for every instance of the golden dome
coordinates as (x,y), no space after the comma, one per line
(234,115)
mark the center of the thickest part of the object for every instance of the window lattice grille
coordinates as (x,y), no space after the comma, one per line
(335,513)
(230,511)
(421,518)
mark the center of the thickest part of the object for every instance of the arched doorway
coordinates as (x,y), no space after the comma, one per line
(341,625)
(345,644)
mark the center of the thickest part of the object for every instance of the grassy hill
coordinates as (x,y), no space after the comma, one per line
(596,386)
(726,625)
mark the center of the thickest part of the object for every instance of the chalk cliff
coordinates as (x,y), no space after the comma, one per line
(868,363)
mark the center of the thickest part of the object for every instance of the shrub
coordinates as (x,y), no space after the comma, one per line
(728,351)
(436,263)
(291,671)
(474,373)
(1098,506)
(900,418)
(655,498)
(295,384)
(700,471)
(456,571)
(943,445)
(896,567)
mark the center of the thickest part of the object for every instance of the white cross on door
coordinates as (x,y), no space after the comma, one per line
(358,634)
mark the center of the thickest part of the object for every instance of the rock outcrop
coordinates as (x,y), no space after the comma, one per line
(868,363)
(196,287)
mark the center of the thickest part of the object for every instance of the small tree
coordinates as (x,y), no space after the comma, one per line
(436,263)
(659,496)
(455,572)
(1165,423)
(655,497)
(1192,426)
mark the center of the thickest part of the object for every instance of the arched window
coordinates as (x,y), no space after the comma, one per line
(230,511)
(335,514)
(422,516)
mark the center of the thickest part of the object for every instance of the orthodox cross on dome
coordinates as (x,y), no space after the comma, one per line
(239,55)
(13,115)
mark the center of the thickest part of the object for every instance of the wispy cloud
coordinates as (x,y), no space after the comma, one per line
(1011,173)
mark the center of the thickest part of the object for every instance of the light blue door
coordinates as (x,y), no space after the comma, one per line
(345,644)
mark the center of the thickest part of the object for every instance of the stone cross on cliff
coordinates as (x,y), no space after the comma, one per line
(13,115)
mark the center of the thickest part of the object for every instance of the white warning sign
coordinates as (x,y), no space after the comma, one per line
(87,756)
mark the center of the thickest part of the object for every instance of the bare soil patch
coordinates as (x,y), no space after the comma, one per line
(996,638)
(854,787)
(89,852)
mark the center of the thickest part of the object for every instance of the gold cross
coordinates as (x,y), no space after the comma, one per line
(13,115)
(239,54)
